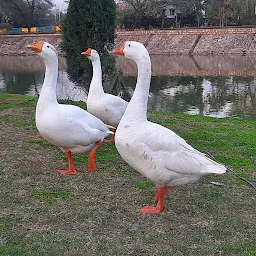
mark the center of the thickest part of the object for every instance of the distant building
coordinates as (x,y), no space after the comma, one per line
(171,12)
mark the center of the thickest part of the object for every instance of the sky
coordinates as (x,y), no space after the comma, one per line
(59,4)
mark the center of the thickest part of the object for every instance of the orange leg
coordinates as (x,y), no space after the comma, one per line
(72,168)
(112,139)
(161,193)
(92,156)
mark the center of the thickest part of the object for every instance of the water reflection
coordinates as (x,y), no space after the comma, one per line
(210,65)
(179,84)
(25,75)
(212,96)
(31,84)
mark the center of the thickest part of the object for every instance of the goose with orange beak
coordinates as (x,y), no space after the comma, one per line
(107,107)
(69,127)
(153,150)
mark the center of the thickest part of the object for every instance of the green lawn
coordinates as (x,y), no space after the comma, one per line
(44,213)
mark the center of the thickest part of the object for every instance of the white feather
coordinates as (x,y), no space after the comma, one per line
(155,151)
(69,127)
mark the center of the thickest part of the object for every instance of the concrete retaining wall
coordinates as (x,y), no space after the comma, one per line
(168,42)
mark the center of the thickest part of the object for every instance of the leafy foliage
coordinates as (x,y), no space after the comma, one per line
(141,13)
(89,23)
(231,12)
(146,13)
(21,13)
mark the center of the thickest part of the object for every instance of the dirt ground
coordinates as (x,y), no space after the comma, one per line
(44,213)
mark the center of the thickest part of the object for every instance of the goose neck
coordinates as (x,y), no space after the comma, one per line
(138,104)
(48,92)
(96,82)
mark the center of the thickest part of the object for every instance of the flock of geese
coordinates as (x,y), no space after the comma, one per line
(156,152)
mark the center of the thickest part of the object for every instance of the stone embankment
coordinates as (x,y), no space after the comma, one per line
(194,41)
(16,44)
(167,42)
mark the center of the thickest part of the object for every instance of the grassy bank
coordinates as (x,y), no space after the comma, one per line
(44,213)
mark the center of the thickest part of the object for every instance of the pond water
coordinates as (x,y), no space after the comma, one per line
(219,86)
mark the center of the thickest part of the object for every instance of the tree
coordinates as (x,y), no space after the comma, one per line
(230,12)
(88,23)
(190,10)
(29,13)
(141,10)
(59,11)
(241,13)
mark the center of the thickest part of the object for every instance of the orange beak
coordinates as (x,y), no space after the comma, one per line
(36,47)
(119,51)
(88,52)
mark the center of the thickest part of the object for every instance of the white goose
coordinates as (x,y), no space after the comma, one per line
(153,150)
(107,107)
(69,127)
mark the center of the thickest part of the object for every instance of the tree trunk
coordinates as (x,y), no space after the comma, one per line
(198,20)
(136,19)
(163,19)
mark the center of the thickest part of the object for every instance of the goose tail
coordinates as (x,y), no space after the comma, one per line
(214,167)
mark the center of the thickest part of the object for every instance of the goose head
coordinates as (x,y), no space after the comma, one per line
(44,50)
(91,54)
(132,50)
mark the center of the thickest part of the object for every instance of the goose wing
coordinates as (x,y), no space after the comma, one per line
(176,154)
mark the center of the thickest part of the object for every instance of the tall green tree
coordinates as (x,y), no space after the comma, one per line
(88,23)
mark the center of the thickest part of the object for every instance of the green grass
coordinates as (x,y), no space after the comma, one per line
(14,101)
(52,196)
(144,185)
(45,213)
(16,121)
(43,143)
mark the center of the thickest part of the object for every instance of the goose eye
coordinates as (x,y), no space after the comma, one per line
(129,45)
(48,46)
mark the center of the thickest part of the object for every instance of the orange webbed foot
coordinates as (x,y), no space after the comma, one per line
(150,209)
(161,194)
(70,171)
(72,168)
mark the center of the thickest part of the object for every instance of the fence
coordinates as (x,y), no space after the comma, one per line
(18,31)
